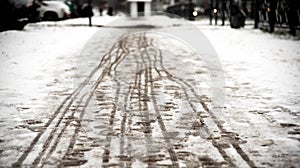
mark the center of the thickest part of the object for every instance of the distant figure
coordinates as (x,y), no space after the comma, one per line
(256,5)
(102,4)
(293,16)
(101,11)
(214,9)
(190,10)
(112,4)
(272,14)
(237,15)
(110,11)
(224,11)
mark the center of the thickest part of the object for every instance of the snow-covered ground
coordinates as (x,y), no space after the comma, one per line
(262,92)
(36,69)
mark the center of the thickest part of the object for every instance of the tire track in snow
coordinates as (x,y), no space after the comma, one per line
(149,60)
(53,125)
(233,141)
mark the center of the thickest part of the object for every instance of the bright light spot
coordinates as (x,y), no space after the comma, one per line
(195,13)
(215,10)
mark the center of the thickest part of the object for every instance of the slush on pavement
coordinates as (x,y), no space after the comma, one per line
(155,91)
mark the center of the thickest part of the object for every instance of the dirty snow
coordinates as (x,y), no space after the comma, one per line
(262,100)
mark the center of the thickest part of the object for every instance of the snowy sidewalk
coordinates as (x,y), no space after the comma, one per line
(148,103)
(262,92)
(97,21)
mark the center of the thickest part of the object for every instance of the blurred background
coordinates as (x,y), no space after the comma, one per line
(266,14)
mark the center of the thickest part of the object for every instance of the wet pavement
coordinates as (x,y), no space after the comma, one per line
(139,97)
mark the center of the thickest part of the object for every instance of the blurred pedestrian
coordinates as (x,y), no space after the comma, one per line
(213,11)
(272,14)
(256,7)
(112,4)
(237,15)
(102,4)
(224,11)
(293,15)
(190,10)
(110,11)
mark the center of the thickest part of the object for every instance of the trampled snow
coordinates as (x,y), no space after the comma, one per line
(262,91)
